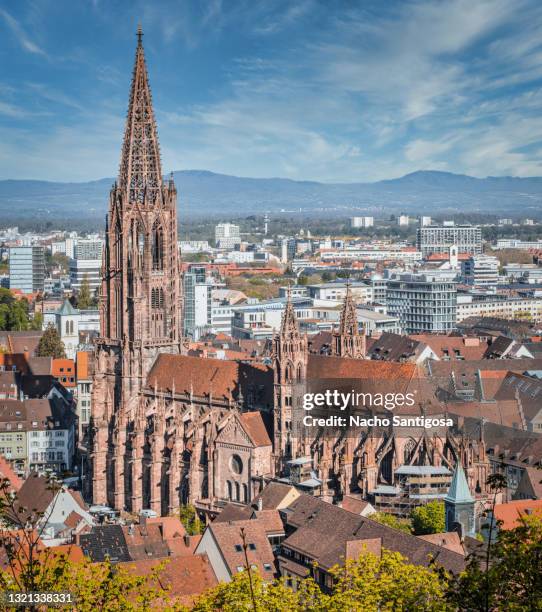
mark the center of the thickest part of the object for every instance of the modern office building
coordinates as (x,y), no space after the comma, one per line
(27,268)
(480,270)
(423,302)
(227,235)
(197,302)
(439,239)
(88,249)
(89,269)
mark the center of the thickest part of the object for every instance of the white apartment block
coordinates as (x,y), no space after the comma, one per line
(439,239)
(357,222)
(503,307)
(227,235)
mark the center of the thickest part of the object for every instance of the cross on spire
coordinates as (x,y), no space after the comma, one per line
(140,174)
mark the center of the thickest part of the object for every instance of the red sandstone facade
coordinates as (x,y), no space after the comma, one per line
(169,429)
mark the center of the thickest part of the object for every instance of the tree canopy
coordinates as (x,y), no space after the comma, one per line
(50,344)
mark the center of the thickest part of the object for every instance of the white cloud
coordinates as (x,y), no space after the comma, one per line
(24,40)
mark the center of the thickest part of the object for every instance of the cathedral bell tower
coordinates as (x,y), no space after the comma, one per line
(347,341)
(290,352)
(140,300)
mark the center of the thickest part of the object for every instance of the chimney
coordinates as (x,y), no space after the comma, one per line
(186,539)
(260,504)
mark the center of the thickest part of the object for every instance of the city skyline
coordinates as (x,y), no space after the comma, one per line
(287,89)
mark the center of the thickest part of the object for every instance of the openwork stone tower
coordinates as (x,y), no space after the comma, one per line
(140,305)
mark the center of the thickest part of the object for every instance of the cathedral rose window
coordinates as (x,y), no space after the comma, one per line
(236,465)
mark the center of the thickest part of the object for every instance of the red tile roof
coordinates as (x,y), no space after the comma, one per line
(184,577)
(6,471)
(511,512)
(254,426)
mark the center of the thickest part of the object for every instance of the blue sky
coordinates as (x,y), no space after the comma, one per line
(331,90)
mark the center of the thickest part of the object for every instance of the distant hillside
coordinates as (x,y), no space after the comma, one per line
(206,193)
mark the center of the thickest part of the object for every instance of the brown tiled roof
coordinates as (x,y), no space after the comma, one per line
(181,547)
(41,366)
(444,345)
(183,577)
(144,541)
(322,367)
(353,504)
(170,526)
(449,540)
(498,347)
(219,377)
(72,520)
(394,347)
(35,495)
(228,539)
(20,341)
(270,519)
(273,495)
(532,478)
(254,426)
(314,520)
(233,512)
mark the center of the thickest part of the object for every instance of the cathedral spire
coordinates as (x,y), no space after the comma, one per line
(347,341)
(140,175)
(289,323)
(349,320)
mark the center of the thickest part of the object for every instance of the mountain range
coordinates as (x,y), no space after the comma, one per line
(204,193)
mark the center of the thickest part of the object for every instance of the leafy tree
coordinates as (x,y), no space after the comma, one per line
(392,521)
(190,520)
(37,321)
(13,312)
(429,518)
(30,566)
(513,578)
(50,344)
(84,298)
(386,582)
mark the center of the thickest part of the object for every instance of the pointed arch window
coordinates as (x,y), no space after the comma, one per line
(288,372)
(157,247)
(140,244)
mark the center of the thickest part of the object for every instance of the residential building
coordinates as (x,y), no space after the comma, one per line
(439,239)
(423,302)
(288,249)
(88,270)
(27,268)
(425,221)
(481,270)
(223,545)
(84,374)
(499,306)
(305,552)
(227,236)
(357,222)
(522,245)
(62,513)
(403,220)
